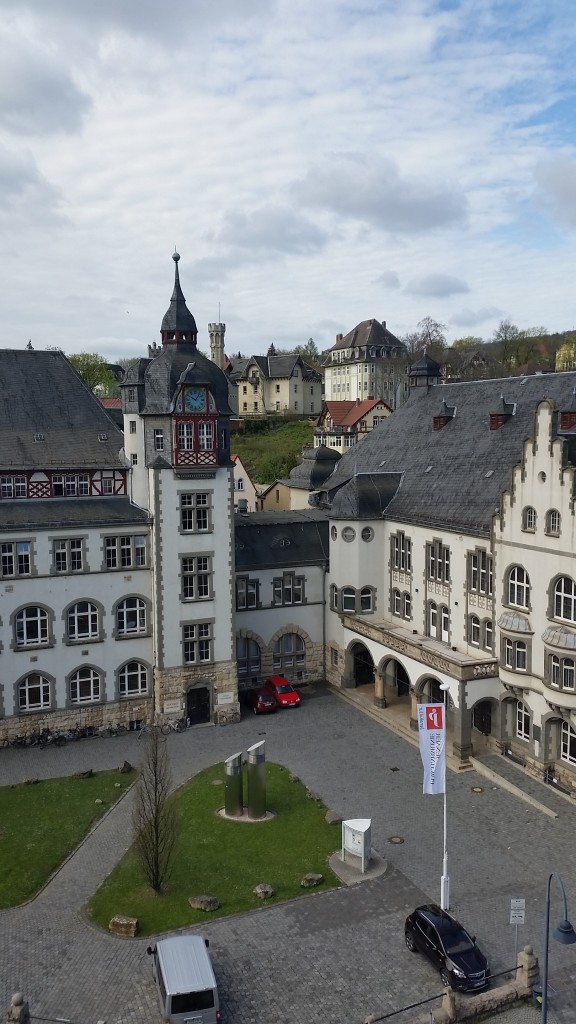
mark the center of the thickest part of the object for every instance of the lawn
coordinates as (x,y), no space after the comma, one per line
(224,858)
(42,822)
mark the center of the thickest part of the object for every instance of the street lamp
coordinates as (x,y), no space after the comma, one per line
(563,933)
(445,880)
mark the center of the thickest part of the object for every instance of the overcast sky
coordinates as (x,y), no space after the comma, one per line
(315,162)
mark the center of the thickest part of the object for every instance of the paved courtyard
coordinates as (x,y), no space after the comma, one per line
(332,957)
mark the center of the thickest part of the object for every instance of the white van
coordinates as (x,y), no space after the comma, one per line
(186,984)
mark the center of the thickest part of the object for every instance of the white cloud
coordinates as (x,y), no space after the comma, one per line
(557,181)
(389,279)
(271,229)
(475,317)
(376,192)
(436,285)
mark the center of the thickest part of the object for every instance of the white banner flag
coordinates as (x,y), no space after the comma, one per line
(432,736)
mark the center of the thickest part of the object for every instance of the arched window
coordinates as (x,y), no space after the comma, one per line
(348,599)
(565,599)
(562,672)
(518,587)
(488,635)
(333,596)
(248,656)
(529,519)
(34,693)
(82,621)
(407,611)
(131,616)
(522,721)
(444,624)
(132,679)
(432,618)
(366,599)
(568,743)
(289,651)
(474,633)
(515,654)
(553,523)
(396,602)
(31,627)
(85,686)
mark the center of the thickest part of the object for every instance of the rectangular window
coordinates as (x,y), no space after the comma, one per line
(185,437)
(480,578)
(438,561)
(134,459)
(67,555)
(125,552)
(15,558)
(206,437)
(196,512)
(158,440)
(288,589)
(197,640)
(246,593)
(13,487)
(196,574)
(402,552)
(132,426)
(69,486)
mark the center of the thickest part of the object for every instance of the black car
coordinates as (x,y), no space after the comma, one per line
(448,946)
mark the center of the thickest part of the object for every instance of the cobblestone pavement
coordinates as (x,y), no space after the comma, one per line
(332,957)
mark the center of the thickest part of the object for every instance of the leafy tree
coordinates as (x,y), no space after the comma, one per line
(94,372)
(507,338)
(154,819)
(467,343)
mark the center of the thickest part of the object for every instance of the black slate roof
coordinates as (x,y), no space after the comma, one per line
(268,540)
(73,513)
(453,477)
(316,466)
(367,334)
(272,367)
(42,395)
(178,317)
(174,365)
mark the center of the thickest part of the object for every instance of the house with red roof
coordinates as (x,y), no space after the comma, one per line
(341,425)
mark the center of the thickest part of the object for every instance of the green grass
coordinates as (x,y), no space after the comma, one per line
(224,858)
(41,823)
(272,450)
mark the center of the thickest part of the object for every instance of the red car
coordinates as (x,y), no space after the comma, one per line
(283,692)
(261,701)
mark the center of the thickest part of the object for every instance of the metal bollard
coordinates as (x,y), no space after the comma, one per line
(233,798)
(256,784)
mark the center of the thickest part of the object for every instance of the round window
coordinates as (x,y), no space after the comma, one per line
(367,533)
(348,533)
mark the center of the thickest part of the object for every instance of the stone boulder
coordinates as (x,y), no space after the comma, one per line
(206,903)
(120,925)
(125,767)
(311,879)
(87,773)
(264,891)
(333,818)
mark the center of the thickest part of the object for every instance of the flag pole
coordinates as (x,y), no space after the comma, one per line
(445,880)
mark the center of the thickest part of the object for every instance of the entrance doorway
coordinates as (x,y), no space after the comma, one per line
(482,717)
(363,665)
(198,705)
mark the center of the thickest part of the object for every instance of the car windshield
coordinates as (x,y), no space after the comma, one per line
(284,688)
(457,941)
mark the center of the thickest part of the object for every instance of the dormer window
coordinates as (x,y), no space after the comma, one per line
(39,437)
(502,414)
(102,437)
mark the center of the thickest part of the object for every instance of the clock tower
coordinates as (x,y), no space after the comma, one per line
(177,440)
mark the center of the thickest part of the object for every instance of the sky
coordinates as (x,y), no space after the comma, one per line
(316,163)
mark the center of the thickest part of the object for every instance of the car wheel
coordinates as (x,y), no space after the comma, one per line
(411,945)
(445,978)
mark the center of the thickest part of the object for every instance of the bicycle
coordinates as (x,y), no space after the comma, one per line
(175,725)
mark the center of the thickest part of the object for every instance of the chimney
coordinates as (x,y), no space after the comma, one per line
(339,338)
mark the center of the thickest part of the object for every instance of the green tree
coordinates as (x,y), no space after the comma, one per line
(467,343)
(94,371)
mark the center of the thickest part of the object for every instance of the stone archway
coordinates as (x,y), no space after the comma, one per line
(362,665)
(396,681)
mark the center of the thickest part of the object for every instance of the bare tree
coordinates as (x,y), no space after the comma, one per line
(154,818)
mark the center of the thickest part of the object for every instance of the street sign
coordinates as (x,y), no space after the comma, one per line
(517,916)
(517,904)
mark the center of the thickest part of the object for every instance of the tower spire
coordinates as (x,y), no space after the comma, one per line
(178,326)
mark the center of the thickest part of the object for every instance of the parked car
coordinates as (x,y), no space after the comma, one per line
(261,701)
(283,692)
(448,946)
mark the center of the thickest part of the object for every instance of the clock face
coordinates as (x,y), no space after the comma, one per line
(195,400)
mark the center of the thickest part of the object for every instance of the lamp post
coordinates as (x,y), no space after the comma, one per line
(563,933)
(445,880)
